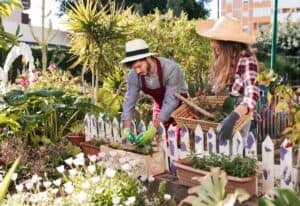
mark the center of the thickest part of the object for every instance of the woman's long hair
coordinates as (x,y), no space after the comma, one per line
(226,59)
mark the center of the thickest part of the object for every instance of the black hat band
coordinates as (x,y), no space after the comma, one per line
(137,52)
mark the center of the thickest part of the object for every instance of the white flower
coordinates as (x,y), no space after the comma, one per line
(33,198)
(86,185)
(59,201)
(143,178)
(99,190)
(57,182)
(130,201)
(116,200)
(78,161)
(72,172)
(167,197)
(14,176)
(95,179)
(81,196)
(151,179)
(29,185)
(69,161)
(69,188)
(110,172)
(47,184)
(60,169)
(91,169)
(54,190)
(92,158)
(43,196)
(125,167)
(35,178)
(80,155)
(19,187)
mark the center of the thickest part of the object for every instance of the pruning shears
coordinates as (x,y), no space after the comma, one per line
(134,139)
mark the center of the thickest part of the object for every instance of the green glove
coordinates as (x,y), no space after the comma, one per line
(128,134)
(146,137)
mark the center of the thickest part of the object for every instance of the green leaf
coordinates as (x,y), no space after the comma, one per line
(15,97)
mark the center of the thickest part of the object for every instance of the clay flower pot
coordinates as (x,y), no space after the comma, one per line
(76,138)
(89,149)
(190,177)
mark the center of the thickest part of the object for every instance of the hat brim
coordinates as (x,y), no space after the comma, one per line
(137,57)
(204,28)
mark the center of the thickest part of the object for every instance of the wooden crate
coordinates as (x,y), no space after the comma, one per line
(151,164)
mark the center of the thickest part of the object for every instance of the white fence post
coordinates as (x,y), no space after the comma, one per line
(199,140)
(123,138)
(141,127)
(93,124)
(224,147)
(87,128)
(173,149)
(101,130)
(211,141)
(251,146)
(184,143)
(108,131)
(116,130)
(286,165)
(163,144)
(267,165)
(237,144)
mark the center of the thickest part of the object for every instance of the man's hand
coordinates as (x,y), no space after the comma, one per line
(146,137)
(128,134)
(225,129)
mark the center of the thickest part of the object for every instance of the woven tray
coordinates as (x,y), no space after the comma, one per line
(182,117)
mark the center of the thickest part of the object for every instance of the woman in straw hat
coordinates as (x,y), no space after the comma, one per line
(156,76)
(235,68)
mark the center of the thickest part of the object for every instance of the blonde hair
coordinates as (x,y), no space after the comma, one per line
(226,59)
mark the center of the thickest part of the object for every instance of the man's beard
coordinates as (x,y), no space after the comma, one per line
(148,68)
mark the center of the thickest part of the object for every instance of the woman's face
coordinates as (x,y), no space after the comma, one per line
(215,46)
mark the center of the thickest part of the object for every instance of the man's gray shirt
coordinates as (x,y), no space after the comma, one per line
(173,80)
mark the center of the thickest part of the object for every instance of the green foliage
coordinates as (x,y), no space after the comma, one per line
(211,192)
(237,166)
(280,197)
(160,199)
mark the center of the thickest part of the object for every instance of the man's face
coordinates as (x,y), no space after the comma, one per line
(141,67)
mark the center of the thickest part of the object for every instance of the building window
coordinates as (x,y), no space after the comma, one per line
(25,18)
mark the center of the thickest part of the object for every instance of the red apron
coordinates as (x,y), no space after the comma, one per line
(158,96)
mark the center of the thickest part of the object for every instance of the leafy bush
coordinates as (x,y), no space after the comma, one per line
(237,166)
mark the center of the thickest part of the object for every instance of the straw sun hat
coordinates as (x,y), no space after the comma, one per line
(136,49)
(226,28)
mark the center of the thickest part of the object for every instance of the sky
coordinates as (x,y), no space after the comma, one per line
(35,12)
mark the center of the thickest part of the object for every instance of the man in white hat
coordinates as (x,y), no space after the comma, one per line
(156,76)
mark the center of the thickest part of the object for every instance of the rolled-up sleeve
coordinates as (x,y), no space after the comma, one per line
(131,96)
(174,83)
(250,84)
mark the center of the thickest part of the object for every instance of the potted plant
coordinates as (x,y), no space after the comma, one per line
(91,147)
(241,170)
(76,133)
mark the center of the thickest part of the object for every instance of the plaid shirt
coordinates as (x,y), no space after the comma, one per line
(245,83)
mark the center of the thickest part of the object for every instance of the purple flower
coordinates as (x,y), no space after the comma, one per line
(171,133)
(210,147)
(171,147)
(267,149)
(52,67)
(288,180)
(209,135)
(100,125)
(140,128)
(160,130)
(198,139)
(94,122)
(123,141)
(183,147)
(285,171)
(282,152)
(183,131)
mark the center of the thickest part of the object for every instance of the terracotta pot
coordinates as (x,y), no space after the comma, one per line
(76,138)
(190,177)
(89,149)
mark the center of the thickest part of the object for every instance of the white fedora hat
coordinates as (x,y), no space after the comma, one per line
(226,28)
(136,49)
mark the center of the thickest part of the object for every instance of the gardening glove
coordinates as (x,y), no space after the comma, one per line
(225,129)
(128,134)
(146,137)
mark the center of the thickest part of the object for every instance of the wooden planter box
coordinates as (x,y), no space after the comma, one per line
(190,177)
(89,149)
(151,164)
(76,138)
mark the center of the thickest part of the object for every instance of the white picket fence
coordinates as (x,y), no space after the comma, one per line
(110,131)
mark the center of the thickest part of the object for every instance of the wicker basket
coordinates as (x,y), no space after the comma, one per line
(182,117)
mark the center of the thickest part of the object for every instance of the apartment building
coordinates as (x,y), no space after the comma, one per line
(19,17)
(258,14)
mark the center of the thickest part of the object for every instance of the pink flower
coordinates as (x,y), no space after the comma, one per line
(52,67)
(24,82)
